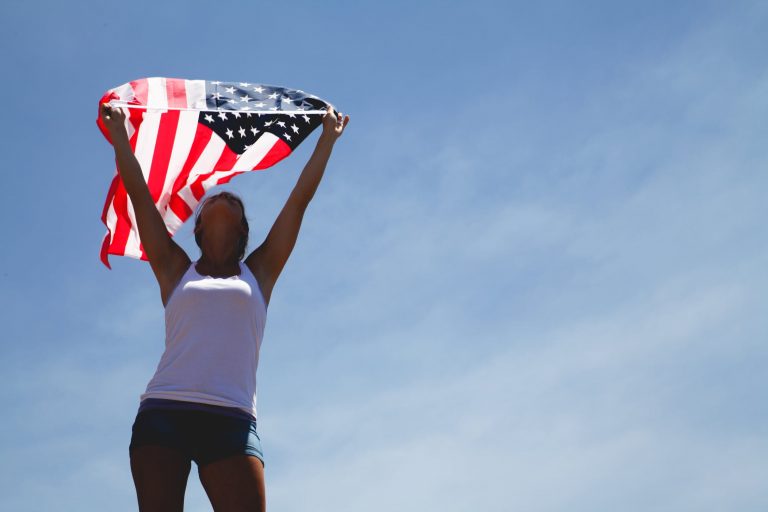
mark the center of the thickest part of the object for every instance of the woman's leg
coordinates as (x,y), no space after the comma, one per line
(160,475)
(235,484)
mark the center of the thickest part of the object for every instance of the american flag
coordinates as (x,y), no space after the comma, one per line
(190,135)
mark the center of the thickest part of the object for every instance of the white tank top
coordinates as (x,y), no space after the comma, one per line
(213,332)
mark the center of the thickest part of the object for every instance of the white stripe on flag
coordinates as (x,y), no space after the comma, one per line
(256,152)
(172,221)
(195,94)
(157,93)
(247,160)
(182,144)
(242,110)
(124,92)
(129,129)
(111,219)
(145,149)
(204,164)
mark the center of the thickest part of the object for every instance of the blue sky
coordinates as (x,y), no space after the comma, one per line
(533,277)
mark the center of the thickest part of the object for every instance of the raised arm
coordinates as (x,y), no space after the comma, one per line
(167,259)
(268,260)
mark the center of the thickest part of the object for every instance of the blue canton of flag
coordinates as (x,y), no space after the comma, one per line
(245,111)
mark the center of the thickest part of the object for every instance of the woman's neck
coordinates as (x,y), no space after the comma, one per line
(208,266)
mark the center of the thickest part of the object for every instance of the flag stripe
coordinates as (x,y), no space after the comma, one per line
(109,218)
(225,162)
(295,112)
(247,161)
(180,207)
(164,143)
(144,151)
(122,228)
(183,147)
(279,151)
(256,153)
(108,204)
(119,226)
(172,221)
(211,154)
(176,92)
(140,91)
(196,95)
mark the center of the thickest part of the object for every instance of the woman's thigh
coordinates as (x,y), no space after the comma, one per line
(160,474)
(234,484)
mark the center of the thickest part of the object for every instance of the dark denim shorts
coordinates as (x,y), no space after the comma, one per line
(202,436)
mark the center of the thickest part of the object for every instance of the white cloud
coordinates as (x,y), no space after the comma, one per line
(584,415)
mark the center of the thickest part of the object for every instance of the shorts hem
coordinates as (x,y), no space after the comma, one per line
(248,453)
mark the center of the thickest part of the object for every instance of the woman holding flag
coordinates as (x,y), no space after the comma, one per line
(198,405)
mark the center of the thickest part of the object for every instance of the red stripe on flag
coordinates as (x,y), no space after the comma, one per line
(201,140)
(180,208)
(104,254)
(122,227)
(225,179)
(135,116)
(278,151)
(166,135)
(226,161)
(118,198)
(140,90)
(177,205)
(115,240)
(108,236)
(177,93)
(110,195)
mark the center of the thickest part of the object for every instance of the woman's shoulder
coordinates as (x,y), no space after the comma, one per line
(252,264)
(173,276)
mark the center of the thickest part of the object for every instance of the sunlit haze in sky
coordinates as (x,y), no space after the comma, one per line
(533,277)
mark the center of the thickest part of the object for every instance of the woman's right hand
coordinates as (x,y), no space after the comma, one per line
(114,120)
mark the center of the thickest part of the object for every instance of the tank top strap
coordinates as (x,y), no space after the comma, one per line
(184,278)
(247,274)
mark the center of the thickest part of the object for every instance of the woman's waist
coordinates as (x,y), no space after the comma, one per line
(150,403)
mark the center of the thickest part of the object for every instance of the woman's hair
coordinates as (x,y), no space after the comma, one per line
(226,195)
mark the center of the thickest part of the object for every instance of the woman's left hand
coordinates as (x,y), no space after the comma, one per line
(334,123)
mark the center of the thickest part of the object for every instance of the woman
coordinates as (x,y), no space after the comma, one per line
(201,403)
